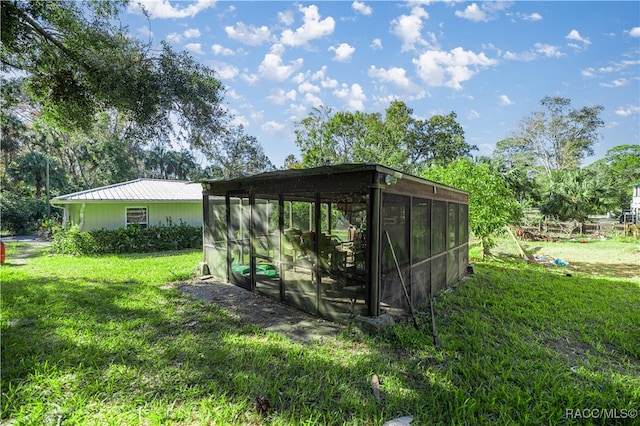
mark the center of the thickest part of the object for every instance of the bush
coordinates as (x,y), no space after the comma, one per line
(73,241)
(133,239)
(21,215)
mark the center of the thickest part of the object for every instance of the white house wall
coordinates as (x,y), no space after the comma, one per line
(113,215)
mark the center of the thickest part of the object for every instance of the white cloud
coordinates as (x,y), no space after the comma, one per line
(273,127)
(360,6)
(589,72)
(279,96)
(396,76)
(353,96)
(504,100)
(221,50)
(634,32)
(496,6)
(525,56)
(174,37)
(272,67)
(473,115)
(325,81)
(232,94)
(313,100)
(485,12)
(574,35)
(239,120)
(631,109)
(145,32)
(540,49)
(409,28)
(449,69)
(194,47)
(473,13)
(191,33)
(298,111)
(164,9)
(286,17)
(376,44)
(548,50)
(308,87)
(616,83)
(312,28)
(614,68)
(343,52)
(187,34)
(533,17)
(300,77)
(255,115)
(225,71)
(248,34)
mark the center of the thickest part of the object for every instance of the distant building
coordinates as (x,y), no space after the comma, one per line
(145,202)
(635,203)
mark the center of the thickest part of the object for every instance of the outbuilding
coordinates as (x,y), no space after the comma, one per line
(337,241)
(144,202)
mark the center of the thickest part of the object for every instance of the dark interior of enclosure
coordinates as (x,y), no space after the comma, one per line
(324,239)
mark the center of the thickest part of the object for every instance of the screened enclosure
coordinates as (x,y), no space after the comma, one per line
(337,241)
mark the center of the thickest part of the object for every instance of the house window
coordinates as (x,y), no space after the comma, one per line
(137,216)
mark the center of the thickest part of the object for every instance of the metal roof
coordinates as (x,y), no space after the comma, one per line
(325,171)
(150,190)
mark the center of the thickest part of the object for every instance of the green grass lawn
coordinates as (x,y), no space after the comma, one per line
(104,341)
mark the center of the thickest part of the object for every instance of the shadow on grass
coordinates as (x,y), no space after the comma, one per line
(619,270)
(90,351)
(521,344)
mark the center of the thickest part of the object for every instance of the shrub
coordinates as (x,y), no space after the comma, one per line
(133,239)
(73,241)
(21,215)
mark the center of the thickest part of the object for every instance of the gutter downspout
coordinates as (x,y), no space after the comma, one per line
(81,224)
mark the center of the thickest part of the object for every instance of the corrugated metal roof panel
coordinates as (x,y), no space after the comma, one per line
(138,190)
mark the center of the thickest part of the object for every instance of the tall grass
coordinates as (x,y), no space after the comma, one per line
(105,341)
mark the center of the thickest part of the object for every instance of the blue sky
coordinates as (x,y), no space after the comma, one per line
(489,62)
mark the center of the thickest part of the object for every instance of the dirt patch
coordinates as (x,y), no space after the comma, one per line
(253,308)
(27,247)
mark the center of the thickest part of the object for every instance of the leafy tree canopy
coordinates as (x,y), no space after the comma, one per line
(492,205)
(396,140)
(79,61)
(575,194)
(238,154)
(557,138)
(519,178)
(619,169)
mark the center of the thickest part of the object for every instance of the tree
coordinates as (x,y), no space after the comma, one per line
(238,154)
(619,169)
(162,163)
(520,177)
(291,162)
(558,138)
(439,140)
(573,195)
(185,165)
(491,202)
(397,140)
(30,171)
(325,137)
(79,61)
(102,155)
